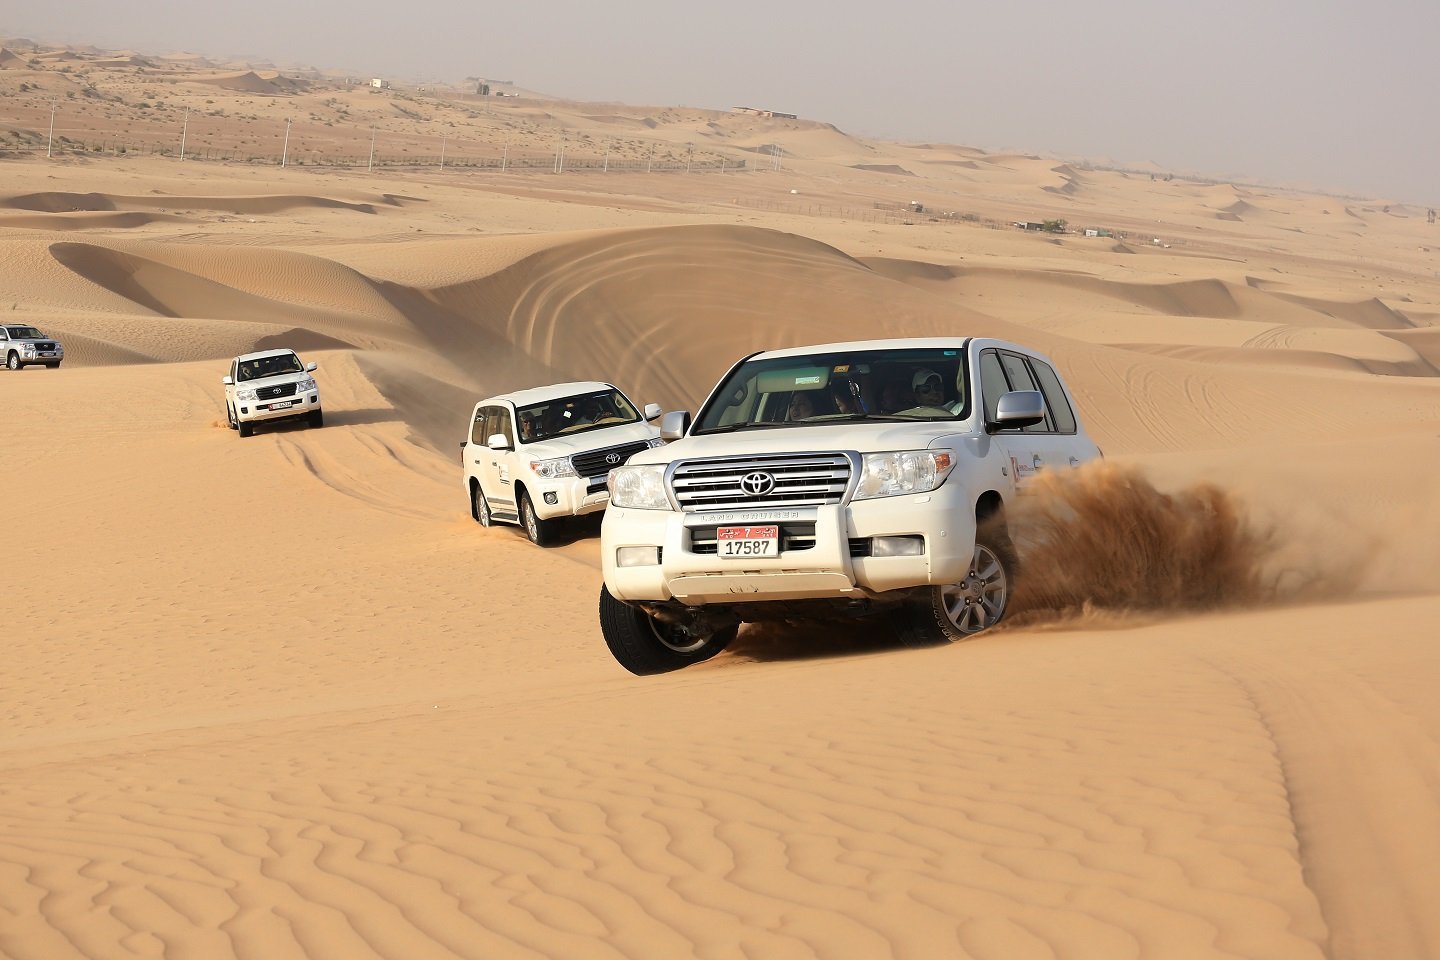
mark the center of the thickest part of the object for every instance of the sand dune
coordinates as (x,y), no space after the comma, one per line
(281,697)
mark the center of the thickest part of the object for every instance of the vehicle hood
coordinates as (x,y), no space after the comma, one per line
(272,381)
(35,340)
(569,446)
(860,437)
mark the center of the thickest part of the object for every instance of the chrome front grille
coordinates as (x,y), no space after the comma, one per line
(729,483)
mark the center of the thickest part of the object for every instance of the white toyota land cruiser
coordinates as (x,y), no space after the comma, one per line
(841,480)
(536,456)
(269,386)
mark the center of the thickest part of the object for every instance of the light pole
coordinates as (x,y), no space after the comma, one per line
(371,167)
(51,140)
(505,158)
(442,153)
(285,150)
(184,131)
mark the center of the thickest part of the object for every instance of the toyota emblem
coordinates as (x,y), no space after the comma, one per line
(612,458)
(757,484)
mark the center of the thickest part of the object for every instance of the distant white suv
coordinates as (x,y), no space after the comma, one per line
(535,456)
(22,345)
(270,386)
(842,480)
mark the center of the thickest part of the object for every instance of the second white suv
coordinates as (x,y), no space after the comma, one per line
(270,386)
(536,456)
(844,480)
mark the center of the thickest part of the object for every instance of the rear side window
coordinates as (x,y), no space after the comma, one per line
(1055,400)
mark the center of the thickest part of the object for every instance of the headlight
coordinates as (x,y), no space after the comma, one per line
(640,487)
(303,385)
(906,471)
(28,349)
(552,469)
(244,394)
(655,442)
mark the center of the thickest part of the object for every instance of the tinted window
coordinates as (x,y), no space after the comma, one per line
(1020,379)
(477,430)
(992,383)
(1055,400)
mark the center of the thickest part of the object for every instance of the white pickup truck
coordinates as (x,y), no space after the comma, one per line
(863,479)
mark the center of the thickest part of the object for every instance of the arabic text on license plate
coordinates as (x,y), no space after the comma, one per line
(748,541)
(281,406)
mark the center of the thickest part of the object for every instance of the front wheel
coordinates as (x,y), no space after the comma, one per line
(540,532)
(245,429)
(646,646)
(957,611)
(53,366)
(315,418)
(480,507)
(13,361)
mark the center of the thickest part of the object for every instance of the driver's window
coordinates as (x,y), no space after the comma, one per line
(477,430)
(497,420)
(993,384)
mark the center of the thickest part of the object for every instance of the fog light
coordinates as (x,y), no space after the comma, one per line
(898,547)
(551,498)
(637,556)
(244,409)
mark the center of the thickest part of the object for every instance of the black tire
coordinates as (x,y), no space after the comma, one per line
(53,366)
(480,507)
(315,418)
(540,532)
(13,361)
(645,646)
(953,612)
(246,429)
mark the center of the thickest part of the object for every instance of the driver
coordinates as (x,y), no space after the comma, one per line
(928,387)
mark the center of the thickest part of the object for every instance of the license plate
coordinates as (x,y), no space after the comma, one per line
(281,405)
(748,541)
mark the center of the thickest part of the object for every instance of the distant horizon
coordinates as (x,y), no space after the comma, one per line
(1285,96)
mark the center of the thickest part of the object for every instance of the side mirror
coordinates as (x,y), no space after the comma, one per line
(652,410)
(310,367)
(675,424)
(227,381)
(497,441)
(464,444)
(1018,408)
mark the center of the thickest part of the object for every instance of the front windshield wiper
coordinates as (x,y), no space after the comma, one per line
(732,427)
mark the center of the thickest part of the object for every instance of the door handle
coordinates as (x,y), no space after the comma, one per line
(477,463)
(1036,460)
(1074,461)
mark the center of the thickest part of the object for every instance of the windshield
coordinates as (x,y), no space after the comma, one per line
(577,414)
(25,333)
(899,384)
(270,367)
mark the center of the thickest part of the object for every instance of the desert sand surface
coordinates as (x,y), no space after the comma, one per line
(281,697)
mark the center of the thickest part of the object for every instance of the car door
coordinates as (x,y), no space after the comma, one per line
(1017,445)
(1046,447)
(497,470)
(230,389)
(1070,447)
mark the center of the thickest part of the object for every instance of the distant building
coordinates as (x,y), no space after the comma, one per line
(759,112)
(378,84)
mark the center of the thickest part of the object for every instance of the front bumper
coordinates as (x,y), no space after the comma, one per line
(834,566)
(568,496)
(302,404)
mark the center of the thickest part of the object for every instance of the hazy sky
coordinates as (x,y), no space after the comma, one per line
(1329,93)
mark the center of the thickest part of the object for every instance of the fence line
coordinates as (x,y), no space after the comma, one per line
(50,128)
